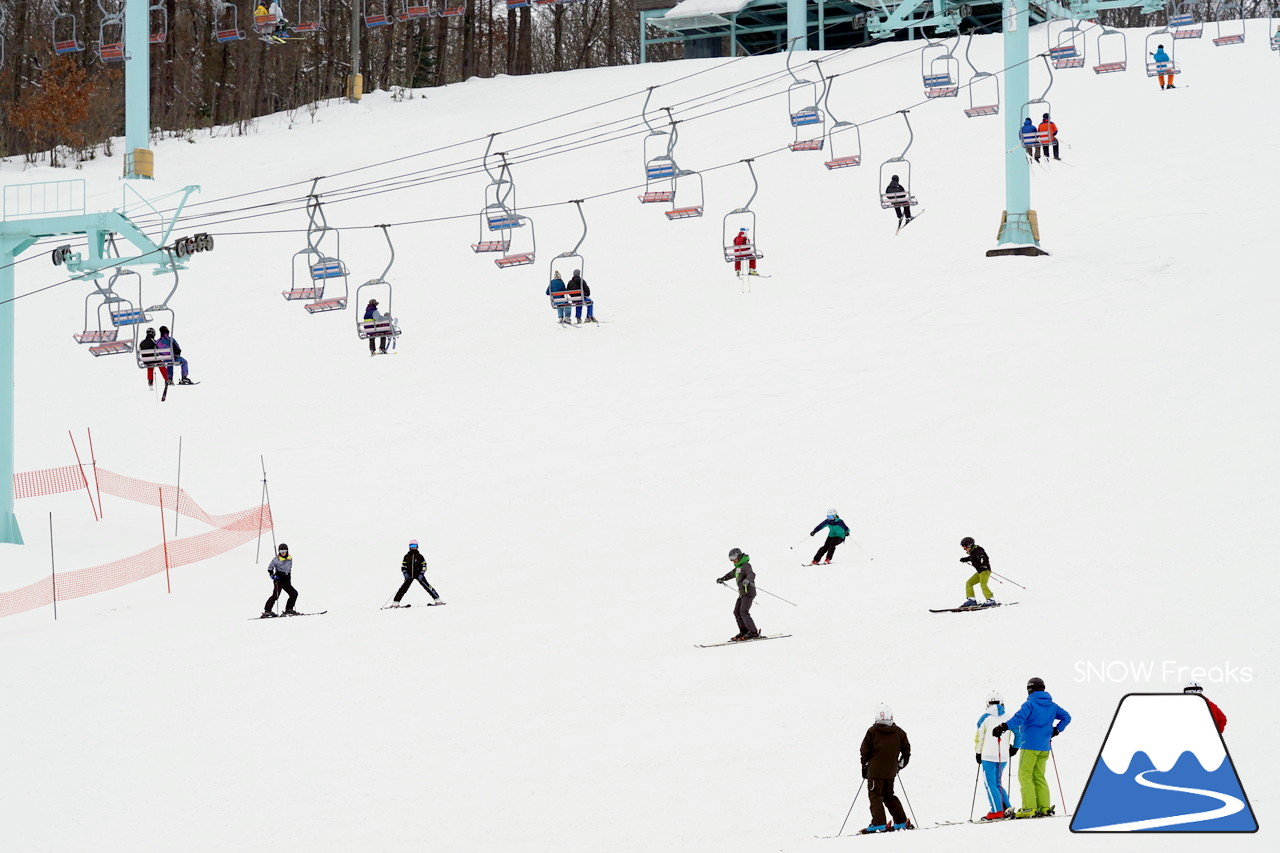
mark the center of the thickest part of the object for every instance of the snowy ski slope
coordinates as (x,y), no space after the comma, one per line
(1102,420)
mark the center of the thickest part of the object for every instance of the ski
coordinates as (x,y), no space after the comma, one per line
(827,563)
(907,222)
(283,615)
(974,607)
(407,606)
(741,642)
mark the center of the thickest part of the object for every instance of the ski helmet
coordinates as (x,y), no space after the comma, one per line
(831,513)
(1034,684)
(283,548)
(735,553)
(966,542)
(413,543)
(884,714)
(994,698)
(151,333)
(1193,687)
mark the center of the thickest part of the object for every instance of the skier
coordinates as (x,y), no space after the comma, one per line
(1034,725)
(1030,137)
(992,753)
(1219,718)
(561,304)
(1164,66)
(901,200)
(977,557)
(580,283)
(168,342)
(149,342)
(885,750)
(1048,137)
(372,314)
(745,577)
(281,571)
(282,26)
(414,567)
(837,530)
(742,249)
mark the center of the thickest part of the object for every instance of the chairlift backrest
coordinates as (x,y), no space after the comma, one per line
(226,26)
(158,16)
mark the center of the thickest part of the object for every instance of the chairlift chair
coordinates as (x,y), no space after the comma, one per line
(312,268)
(96,332)
(226,24)
(939,71)
(815,137)
(1155,69)
(1273,26)
(1232,36)
(412,10)
(738,219)
(520,256)
(158,16)
(1113,52)
(375,14)
(658,151)
(680,208)
(122,310)
(1027,109)
(834,126)
(308,17)
(159,356)
(448,8)
(901,167)
(803,99)
(1185,23)
(516,4)
(387,328)
(111,38)
(1070,50)
(984,88)
(4,21)
(63,32)
(579,263)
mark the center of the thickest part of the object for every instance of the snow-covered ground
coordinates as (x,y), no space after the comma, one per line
(1102,420)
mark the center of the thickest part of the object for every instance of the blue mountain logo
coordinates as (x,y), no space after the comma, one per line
(1163,767)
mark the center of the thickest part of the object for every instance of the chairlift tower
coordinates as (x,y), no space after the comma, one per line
(31,212)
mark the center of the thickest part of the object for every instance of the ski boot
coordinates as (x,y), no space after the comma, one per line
(1022,814)
(906,824)
(1046,812)
(737,638)
(185,381)
(752,635)
(267,614)
(994,816)
(990,602)
(291,613)
(874,828)
(969,602)
(752,272)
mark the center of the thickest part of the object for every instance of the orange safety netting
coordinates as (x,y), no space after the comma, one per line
(229,531)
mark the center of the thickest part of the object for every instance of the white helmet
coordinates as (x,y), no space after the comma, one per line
(1193,687)
(831,513)
(994,698)
(884,714)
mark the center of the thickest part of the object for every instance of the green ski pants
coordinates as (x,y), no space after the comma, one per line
(978,578)
(1035,788)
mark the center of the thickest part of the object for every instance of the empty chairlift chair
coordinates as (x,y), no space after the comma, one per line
(687,200)
(1113,52)
(658,151)
(803,106)
(374,13)
(939,71)
(1233,33)
(412,10)
(836,126)
(158,17)
(984,89)
(1184,22)
(110,36)
(1070,49)
(63,31)
(100,339)
(226,24)
(307,19)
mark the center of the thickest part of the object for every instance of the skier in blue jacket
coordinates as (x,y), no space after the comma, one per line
(1164,67)
(1030,137)
(561,304)
(837,531)
(1035,724)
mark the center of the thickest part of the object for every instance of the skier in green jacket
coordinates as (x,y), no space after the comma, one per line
(745,578)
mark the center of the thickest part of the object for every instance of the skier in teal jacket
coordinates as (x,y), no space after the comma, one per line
(837,531)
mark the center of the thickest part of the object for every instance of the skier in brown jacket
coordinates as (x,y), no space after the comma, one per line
(885,751)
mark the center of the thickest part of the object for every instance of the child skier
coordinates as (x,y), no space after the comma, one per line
(837,530)
(745,577)
(885,750)
(981,563)
(414,568)
(992,754)
(281,571)
(1035,724)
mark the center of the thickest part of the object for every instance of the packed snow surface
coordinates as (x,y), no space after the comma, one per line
(1102,420)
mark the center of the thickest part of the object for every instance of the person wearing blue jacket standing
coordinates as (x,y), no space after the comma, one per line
(1035,724)
(837,532)
(992,753)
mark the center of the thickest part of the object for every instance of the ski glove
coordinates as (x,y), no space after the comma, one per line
(271,573)
(1055,733)
(1013,750)
(902,762)
(999,730)
(964,559)
(864,771)
(977,756)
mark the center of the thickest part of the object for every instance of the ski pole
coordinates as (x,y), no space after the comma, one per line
(1061,796)
(908,799)
(801,542)
(766,592)
(860,548)
(851,805)
(974,799)
(1002,577)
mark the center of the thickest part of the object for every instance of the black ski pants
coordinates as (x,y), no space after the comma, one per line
(382,345)
(742,612)
(828,548)
(880,792)
(409,578)
(283,583)
(1045,149)
(903,211)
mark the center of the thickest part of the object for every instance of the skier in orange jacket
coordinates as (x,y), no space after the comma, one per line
(1048,136)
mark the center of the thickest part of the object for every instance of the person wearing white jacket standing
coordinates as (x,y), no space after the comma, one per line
(992,753)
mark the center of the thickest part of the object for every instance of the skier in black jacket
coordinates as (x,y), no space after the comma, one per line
(745,577)
(977,558)
(902,205)
(414,567)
